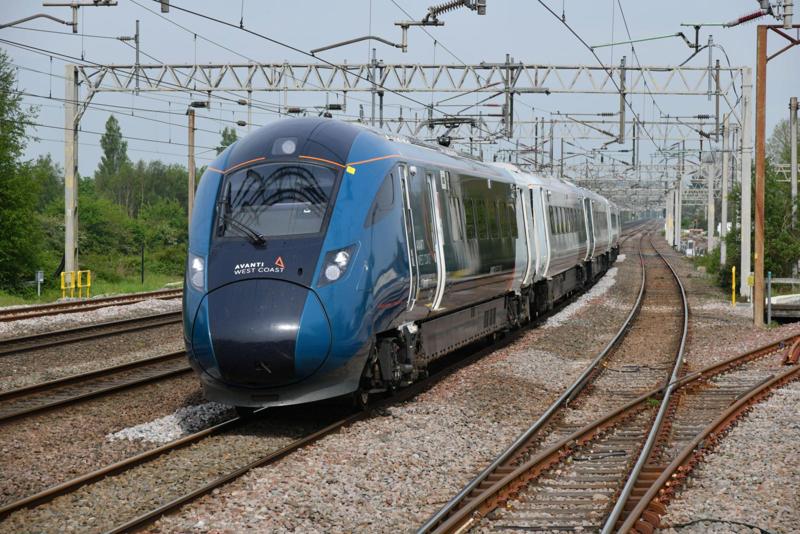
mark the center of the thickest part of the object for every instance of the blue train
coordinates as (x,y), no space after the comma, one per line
(328,259)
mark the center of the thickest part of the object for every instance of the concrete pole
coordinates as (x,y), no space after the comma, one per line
(723,226)
(668,231)
(678,211)
(761,127)
(71,168)
(710,171)
(678,199)
(621,138)
(191,181)
(793,163)
(746,147)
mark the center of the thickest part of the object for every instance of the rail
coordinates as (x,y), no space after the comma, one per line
(567,396)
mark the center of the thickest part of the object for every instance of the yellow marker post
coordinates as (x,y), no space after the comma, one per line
(67,282)
(87,285)
(733,286)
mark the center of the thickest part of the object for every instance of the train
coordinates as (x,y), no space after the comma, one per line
(329,259)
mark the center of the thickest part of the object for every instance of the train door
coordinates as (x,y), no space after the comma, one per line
(413,266)
(525,208)
(423,238)
(435,183)
(587,209)
(538,198)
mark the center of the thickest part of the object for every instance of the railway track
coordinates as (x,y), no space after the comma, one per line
(83,487)
(618,472)
(190,450)
(630,365)
(44,396)
(16,345)
(200,440)
(520,498)
(30,312)
(708,408)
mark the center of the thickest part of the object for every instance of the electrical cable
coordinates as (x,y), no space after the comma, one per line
(91,132)
(130,149)
(235,52)
(104,107)
(610,74)
(83,62)
(309,54)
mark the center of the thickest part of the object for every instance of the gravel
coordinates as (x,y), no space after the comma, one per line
(49,323)
(390,473)
(31,367)
(48,448)
(38,366)
(182,422)
(114,500)
(762,494)
(597,291)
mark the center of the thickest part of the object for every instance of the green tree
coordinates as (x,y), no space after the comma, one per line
(165,235)
(19,233)
(228,138)
(115,173)
(48,178)
(779,143)
(115,149)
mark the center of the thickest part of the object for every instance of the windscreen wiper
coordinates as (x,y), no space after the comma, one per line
(255,236)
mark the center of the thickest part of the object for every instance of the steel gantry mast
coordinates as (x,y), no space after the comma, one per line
(486,80)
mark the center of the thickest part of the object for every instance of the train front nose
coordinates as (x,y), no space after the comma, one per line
(267,332)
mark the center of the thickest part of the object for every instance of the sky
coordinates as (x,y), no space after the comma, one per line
(525,30)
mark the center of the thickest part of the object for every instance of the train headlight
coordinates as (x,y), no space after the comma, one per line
(336,264)
(197,269)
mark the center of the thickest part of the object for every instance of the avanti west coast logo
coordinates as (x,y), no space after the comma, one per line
(258,267)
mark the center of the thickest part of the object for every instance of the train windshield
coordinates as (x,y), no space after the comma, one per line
(275,199)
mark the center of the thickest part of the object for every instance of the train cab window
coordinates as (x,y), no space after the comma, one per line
(275,199)
(383,202)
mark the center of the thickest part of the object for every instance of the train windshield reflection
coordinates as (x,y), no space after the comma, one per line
(276,199)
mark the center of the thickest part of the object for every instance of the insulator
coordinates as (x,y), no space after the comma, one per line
(435,11)
(746,18)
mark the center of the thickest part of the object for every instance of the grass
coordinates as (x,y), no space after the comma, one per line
(99,287)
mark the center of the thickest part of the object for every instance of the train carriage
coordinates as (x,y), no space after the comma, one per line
(328,259)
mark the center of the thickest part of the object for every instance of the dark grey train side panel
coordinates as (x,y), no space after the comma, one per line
(454,330)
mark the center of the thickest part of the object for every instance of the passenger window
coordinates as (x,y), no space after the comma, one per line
(469,218)
(501,219)
(491,214)
(481,219)
(455,218)
(513,220)
(383,202)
